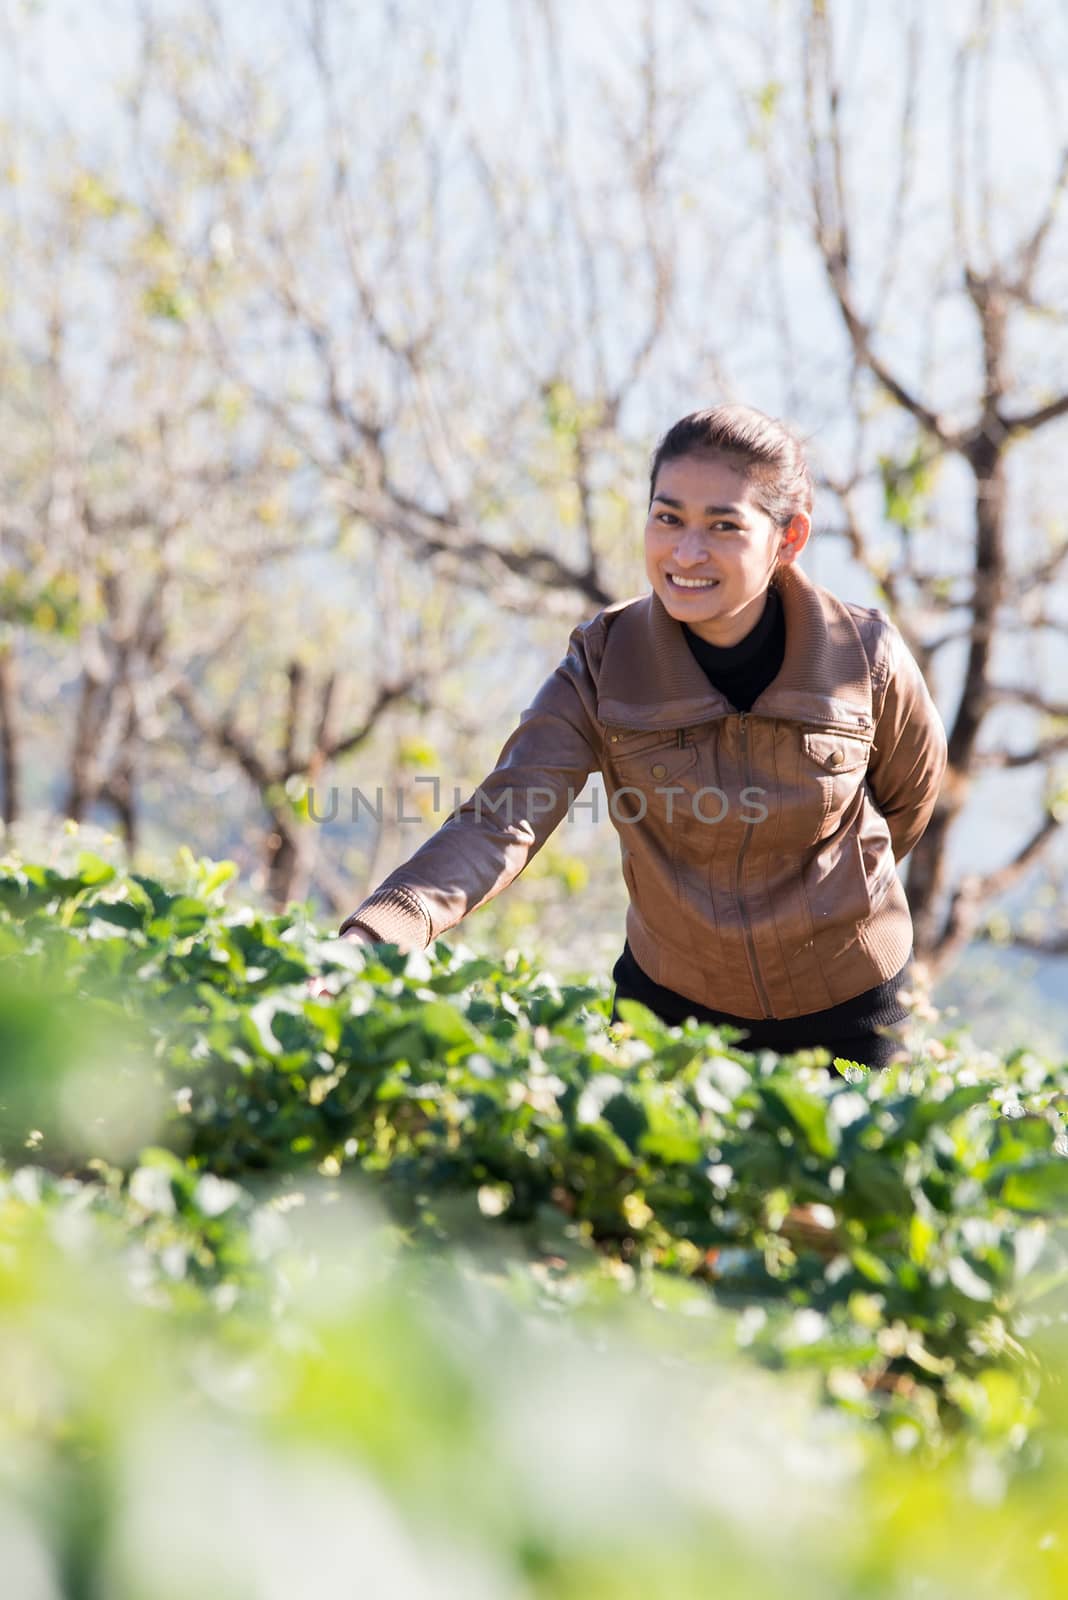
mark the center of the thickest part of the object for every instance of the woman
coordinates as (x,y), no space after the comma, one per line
(770,752)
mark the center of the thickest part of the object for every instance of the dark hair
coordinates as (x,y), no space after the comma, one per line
(765,449)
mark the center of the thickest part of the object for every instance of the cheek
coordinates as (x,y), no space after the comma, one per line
(654,545)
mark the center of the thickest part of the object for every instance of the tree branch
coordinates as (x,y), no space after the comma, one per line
(387,695)
(1030,252)
(1030,421)
(1001,694)
(976,888)
(221,731)
(429,534)
(832,225)
(1049,945)
(1044,751)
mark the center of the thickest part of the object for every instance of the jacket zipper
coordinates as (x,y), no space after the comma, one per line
(750,944)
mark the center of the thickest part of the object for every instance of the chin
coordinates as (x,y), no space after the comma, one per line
(687,613)
(690,609)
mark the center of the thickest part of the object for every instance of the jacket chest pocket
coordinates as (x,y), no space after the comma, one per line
(836,763)
(651,776)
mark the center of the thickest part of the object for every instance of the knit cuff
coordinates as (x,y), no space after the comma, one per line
(393,916)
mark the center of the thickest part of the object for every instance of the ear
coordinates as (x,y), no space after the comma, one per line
(795,536)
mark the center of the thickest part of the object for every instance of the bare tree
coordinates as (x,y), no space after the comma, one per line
(310,742)
(998,283)
(434,428)
(854,207)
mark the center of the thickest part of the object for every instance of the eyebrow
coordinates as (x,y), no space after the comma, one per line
(710,511)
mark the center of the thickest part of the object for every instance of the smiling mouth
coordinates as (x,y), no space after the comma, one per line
(691,585)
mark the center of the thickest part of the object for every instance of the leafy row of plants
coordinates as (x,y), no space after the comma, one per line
(901,1235)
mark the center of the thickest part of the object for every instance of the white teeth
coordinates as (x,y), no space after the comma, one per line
(692,583)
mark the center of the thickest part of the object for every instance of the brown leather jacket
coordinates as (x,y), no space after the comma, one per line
(758,847)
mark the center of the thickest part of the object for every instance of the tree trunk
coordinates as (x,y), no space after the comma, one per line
(10,771)
(927,864)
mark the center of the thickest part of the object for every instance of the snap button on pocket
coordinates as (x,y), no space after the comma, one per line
(642,760)
(835,753)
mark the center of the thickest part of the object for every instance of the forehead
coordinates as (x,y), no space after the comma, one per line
(704,479)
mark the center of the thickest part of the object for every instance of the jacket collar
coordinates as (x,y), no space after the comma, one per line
(649,678)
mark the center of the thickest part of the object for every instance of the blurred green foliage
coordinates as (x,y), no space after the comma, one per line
(444,1265)
(52,606)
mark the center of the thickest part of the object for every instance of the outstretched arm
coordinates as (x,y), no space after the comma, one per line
(483,846)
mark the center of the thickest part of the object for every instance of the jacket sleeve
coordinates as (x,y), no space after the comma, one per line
(487,842)
(909,750)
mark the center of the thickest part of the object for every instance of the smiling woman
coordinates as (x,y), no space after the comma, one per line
(770,750)
(711,549)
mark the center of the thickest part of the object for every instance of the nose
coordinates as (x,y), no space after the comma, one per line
(690,549)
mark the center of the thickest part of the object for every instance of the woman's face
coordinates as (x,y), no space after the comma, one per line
(704,524)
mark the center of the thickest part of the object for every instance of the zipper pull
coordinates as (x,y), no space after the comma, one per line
(680,737)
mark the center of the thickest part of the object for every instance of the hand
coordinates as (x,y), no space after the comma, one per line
(317,987)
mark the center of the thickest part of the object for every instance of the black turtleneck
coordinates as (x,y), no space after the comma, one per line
(741,672)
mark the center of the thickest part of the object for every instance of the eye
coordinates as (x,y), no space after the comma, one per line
(732,527)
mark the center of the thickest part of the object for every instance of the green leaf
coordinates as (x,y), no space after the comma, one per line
(876,1183)
(118,912)
(805,1112)
(1037,1186)
(220,872)
(628,1118)
(870,1265)
(444,1026)
(929,1110)
(93,869)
